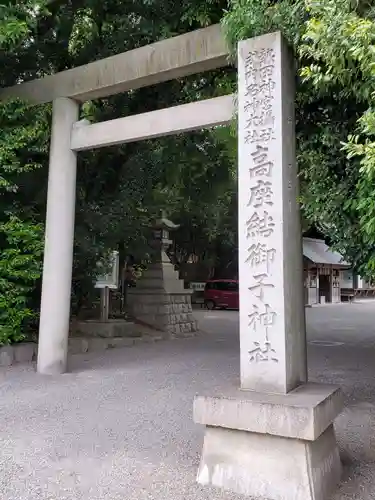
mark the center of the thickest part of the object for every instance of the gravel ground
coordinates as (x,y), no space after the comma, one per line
(119,426)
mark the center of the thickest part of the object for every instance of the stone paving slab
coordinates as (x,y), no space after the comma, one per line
(119,426)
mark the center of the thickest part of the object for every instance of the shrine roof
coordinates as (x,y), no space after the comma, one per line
(319,253)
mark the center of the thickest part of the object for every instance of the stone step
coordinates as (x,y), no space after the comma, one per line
(18,353)
(111,329)
(80,345)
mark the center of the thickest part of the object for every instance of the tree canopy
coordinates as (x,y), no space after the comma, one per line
(119,190)
(192,177)
(333,42)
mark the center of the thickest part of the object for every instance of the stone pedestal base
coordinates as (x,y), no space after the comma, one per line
(274,447)
(171,313)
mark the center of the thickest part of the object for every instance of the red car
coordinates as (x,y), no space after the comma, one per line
(223,294)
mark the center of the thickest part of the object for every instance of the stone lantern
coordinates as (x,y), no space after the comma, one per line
(161,237)
(160,300)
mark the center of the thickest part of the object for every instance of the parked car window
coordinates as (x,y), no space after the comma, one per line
(225,286)
(232,287)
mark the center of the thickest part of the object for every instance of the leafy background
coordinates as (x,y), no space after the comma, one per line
(192,177)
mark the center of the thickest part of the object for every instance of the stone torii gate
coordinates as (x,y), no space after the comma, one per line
(274,437)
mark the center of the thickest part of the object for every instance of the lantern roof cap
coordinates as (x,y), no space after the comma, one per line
(164,223)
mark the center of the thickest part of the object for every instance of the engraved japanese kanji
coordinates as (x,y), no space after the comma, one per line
(262,119)
(259,225)
(263,352)
(259,132)
(264,169)
(263,88)
(260,155)
(260,63)
(259,106)
(262,166)
(261,194)
(261,135)
(259,254)
(264,319)
(260,286)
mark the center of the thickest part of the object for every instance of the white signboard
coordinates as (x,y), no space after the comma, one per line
(109,280)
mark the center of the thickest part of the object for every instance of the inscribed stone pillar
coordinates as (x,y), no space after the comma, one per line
(277,417)
(272,325)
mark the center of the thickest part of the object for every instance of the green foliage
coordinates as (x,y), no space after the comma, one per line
(192,177)
(20,267)
(122,190)
(333,41)
(340,36)
(23,138)
(119,190)
(248,18)
(16,21)
(23,145)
